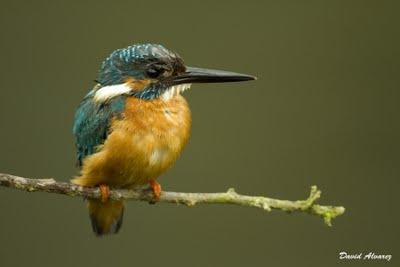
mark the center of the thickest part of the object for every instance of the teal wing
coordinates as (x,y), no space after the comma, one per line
(92,123)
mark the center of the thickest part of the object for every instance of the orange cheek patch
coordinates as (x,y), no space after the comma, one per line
(137,85)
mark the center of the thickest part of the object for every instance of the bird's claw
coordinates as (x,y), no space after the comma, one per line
(105,192)
(156,190)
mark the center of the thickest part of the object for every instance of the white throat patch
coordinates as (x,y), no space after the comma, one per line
(107,92)
(174,91)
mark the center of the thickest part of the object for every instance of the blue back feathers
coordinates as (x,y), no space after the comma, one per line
(92,123)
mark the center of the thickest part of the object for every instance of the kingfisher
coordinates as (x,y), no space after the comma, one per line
(133,125)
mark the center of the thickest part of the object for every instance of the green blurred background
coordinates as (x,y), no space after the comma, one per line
(324,111)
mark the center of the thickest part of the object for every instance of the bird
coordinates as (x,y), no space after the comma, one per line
(133,124)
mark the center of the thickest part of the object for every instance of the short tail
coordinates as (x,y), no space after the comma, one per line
(106,217)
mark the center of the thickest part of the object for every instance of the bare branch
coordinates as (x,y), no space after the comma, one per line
(190,199)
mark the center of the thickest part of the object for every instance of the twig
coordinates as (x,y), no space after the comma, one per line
(189,199)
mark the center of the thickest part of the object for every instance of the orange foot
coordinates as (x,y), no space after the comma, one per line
(156,188)
(105,192)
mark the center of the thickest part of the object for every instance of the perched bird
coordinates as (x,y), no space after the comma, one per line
(132,126)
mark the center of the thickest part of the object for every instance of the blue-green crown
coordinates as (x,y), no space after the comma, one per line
(136,61)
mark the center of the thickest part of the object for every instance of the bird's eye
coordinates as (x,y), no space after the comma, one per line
(154,72)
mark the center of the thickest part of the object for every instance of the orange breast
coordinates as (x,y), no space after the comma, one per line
(142,145)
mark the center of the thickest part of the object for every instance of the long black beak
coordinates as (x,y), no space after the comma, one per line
(200,75)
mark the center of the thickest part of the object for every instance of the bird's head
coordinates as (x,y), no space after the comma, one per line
(150,71)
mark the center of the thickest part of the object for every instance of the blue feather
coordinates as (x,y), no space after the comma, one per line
(92,123)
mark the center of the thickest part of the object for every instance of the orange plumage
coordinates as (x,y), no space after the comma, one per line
(141,146)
